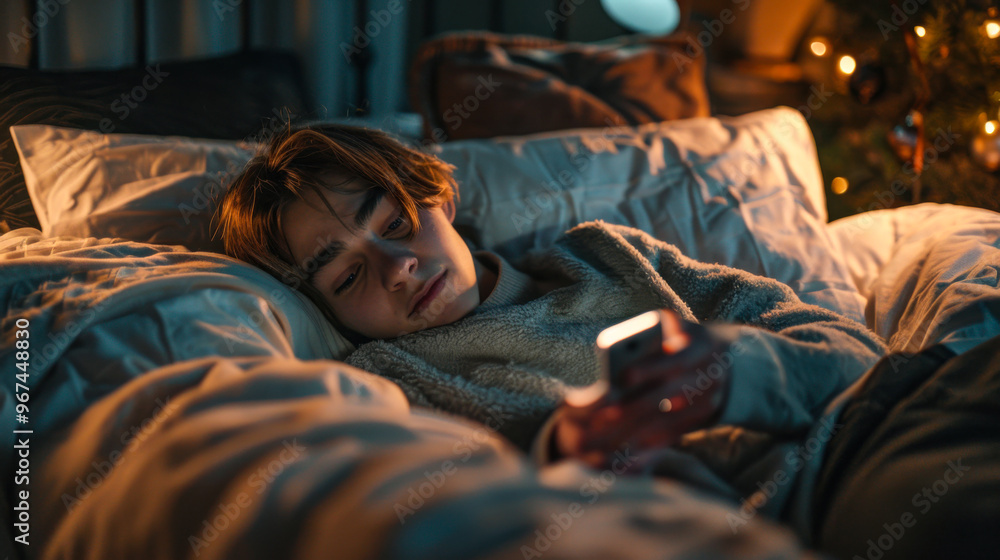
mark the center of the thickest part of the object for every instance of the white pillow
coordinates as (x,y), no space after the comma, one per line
(743,191)
(152,189)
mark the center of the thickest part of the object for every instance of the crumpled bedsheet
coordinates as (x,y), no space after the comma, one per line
(184,405)
(929,273)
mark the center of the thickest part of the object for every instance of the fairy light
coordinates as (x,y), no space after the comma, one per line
(920,31)
(818,46)
(839,185)
(847,64)
(992,29)
(990,127)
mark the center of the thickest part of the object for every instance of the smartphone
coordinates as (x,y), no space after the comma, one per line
(626,343)
(619,346)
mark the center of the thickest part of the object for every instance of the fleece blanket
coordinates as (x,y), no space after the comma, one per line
(182,405)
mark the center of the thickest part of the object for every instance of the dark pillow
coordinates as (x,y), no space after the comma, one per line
(478,85)
(228,97)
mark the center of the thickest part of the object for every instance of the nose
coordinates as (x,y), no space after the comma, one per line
(398,267)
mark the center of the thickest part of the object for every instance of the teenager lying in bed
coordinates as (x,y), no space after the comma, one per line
(362,225)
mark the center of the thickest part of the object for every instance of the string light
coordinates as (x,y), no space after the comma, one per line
(990,127)
(839,185)
(847,64)
(992,29)
(818,46)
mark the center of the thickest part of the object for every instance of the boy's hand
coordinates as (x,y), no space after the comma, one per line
(662,399)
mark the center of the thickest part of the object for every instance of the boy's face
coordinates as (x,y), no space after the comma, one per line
(380,284)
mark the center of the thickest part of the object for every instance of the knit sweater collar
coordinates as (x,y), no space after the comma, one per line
(513,287)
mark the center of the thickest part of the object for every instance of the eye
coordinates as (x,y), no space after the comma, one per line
(399,222)
(398,225)
(347,282)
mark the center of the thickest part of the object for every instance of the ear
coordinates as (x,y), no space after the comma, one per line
(449,210)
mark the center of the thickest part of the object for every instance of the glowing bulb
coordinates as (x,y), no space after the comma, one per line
(818,47)
(920,31)
(839,185)
(992,29)
(847,64)
(990,127)
(654,17)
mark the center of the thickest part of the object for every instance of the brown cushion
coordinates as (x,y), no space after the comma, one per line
(478,85)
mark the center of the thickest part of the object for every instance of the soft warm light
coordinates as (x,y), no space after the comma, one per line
(653,17)
(992,29)
(847,64)
(818,47)
(990,127)
(839,185)
(920,31)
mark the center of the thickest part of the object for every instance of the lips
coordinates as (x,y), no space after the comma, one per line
(428,293)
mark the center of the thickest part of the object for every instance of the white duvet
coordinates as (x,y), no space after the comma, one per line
(929,273)
(186,405)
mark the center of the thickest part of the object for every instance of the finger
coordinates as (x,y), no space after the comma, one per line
(674,337)
(667,417)
(607,437)
(660,404)
(687,384)
(692,359)
(650,439)
(662,426)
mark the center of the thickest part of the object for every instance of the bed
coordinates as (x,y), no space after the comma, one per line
(179,403)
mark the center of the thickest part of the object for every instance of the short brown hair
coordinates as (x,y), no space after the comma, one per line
(305,157)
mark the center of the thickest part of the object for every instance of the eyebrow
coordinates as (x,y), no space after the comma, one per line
(333,249)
